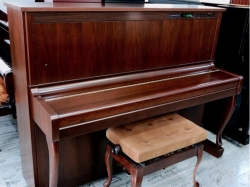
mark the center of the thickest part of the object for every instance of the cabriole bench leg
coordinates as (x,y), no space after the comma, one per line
(136,178)
(108,162)
(53,162)
(199,157)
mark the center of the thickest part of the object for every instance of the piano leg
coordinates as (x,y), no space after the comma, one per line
(53,148)
(217,149)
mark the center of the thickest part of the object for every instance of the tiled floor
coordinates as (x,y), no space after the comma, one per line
(231,170)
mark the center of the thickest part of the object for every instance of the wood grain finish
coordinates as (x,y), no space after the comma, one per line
(25,129)
(137,171)
(94,84)
(140,114)
(135,45)
(109,16)
(109,165)
(125,66)
(241,2)
(91,103)
(78,164)
(53,162)
(85,107)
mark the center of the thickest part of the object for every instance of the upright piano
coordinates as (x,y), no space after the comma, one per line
(6,67)
(80,68)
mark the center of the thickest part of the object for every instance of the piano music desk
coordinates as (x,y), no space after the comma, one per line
(82,68)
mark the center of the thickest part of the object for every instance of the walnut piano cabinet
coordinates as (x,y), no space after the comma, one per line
(80,68)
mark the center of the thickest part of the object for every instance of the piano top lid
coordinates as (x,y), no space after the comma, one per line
(60,7)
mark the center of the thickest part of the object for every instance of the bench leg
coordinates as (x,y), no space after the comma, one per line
(136,179)
(199,157)
(108,162)
(53,162)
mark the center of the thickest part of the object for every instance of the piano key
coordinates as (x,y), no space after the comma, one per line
(4,23)
(4,69)
(7,41)
(5,52)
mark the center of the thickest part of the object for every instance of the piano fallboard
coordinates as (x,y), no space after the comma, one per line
(92,40)
(89,106)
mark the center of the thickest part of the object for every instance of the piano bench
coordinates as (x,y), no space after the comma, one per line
(152,144)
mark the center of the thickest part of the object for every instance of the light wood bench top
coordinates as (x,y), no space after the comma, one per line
(157,136)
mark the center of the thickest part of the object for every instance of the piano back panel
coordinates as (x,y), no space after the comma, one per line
(70,46)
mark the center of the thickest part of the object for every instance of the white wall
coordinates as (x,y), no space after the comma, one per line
(2,7)
(216,1)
